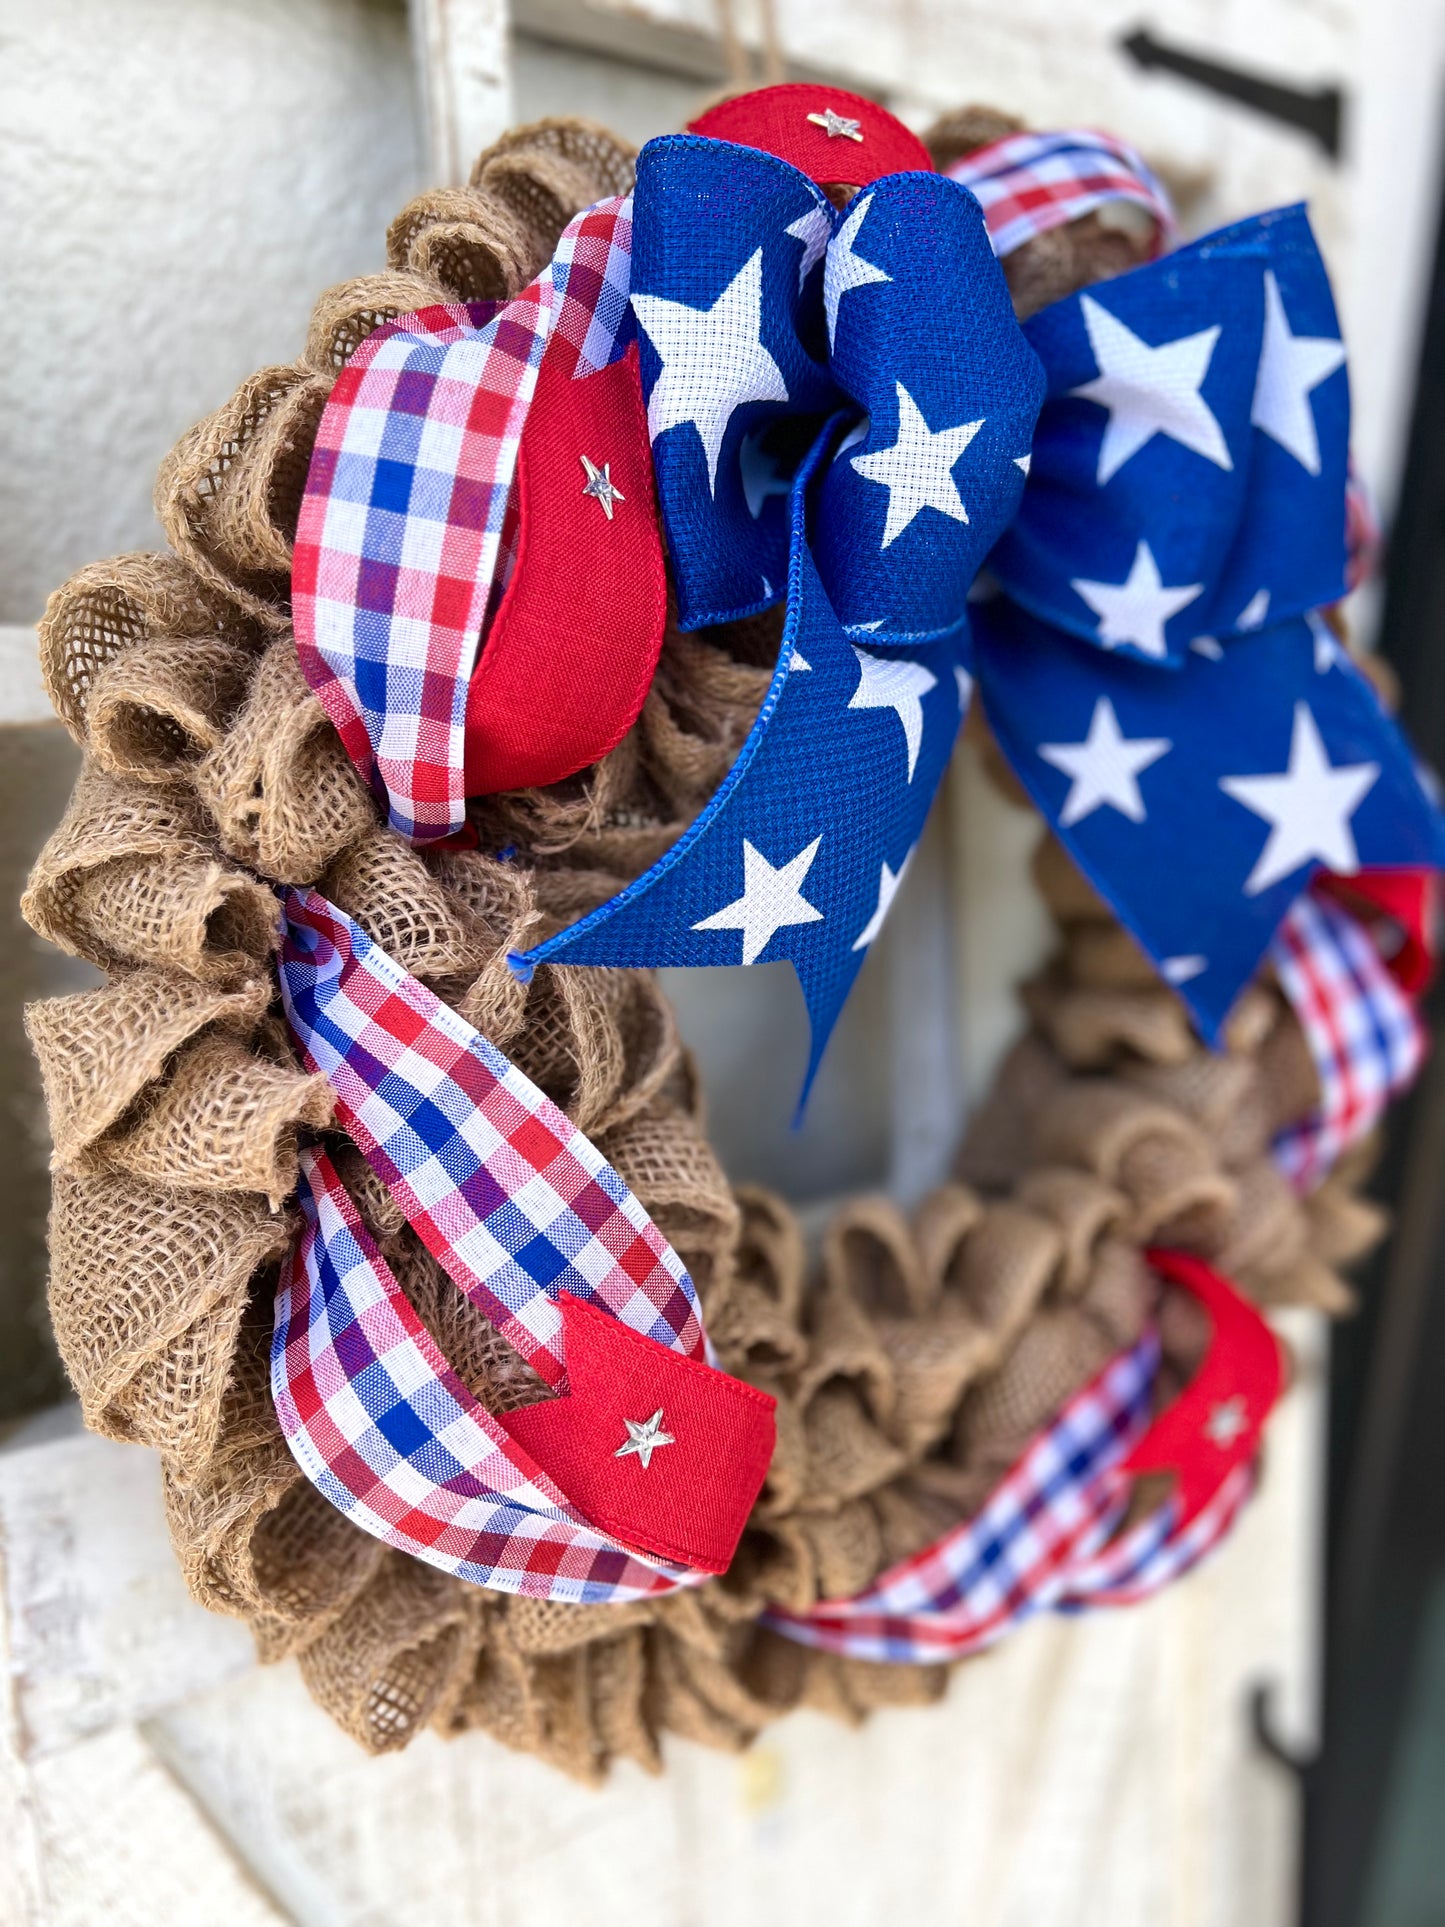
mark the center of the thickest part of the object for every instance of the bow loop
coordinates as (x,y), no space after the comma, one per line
(729,315)
(1189,466)
(747,347)
(918,494)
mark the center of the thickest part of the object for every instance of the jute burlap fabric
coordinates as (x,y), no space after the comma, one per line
(911,1361)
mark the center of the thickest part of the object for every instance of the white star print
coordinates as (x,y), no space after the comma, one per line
(1179,970)
(1327,649)
(644,1436)
(1209,647)
(1136,609)
(771,900)
(798,662)
(917,470)
(761,475)
(814,229)
(1290,366)
(965,688)
(844,269)
(1308,807)
(1105,767)
(892,682)
(1252,615)
(695,344)
(1150,391)
(888,883)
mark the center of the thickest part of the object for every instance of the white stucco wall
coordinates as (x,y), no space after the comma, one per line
(178,180)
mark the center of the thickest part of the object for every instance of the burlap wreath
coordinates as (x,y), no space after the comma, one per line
(911,1363)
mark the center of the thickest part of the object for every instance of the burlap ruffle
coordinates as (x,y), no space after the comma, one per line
(909,1367)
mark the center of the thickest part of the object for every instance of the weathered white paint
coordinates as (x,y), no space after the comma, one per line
(102,1632)
(22,691)
(121,1841)
(465,78)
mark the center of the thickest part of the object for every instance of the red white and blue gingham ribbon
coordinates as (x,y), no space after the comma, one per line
(384,1428)
(1044,1541)
(517,1205)
(401,541)
(1028,183)
(1362,1029)
(1157,1551)
(511,1198)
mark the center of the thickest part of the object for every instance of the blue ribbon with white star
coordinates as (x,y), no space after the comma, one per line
(1188,474)
(841,405)
(816,431)
(762,310)
(1154,667)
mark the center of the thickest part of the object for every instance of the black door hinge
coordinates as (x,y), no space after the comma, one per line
(1318,111)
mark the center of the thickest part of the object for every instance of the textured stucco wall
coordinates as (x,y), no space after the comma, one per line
(178,179)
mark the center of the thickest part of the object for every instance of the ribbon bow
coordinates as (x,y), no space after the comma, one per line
(1154,666)
(882,341)
(1152,663)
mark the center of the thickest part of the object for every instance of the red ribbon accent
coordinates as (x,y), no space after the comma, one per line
(690,1501)
(570,655)
(1214,1425)
(775,121)
(1410,901)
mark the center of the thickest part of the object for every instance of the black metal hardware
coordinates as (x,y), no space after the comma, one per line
(1318,112)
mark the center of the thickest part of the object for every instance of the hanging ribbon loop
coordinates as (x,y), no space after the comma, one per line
(1048,1536)
(527,1218)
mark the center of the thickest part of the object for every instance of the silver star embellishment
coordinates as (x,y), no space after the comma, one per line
(600,485)
(1226,1421)
(834,125)
(643,1437)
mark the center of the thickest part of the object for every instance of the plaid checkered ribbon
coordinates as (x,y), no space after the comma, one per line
(517,1205)
(1157,1551)
(1363,1032)
(1044,1541)
(384,1428)
(1029,183)
(402,542)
